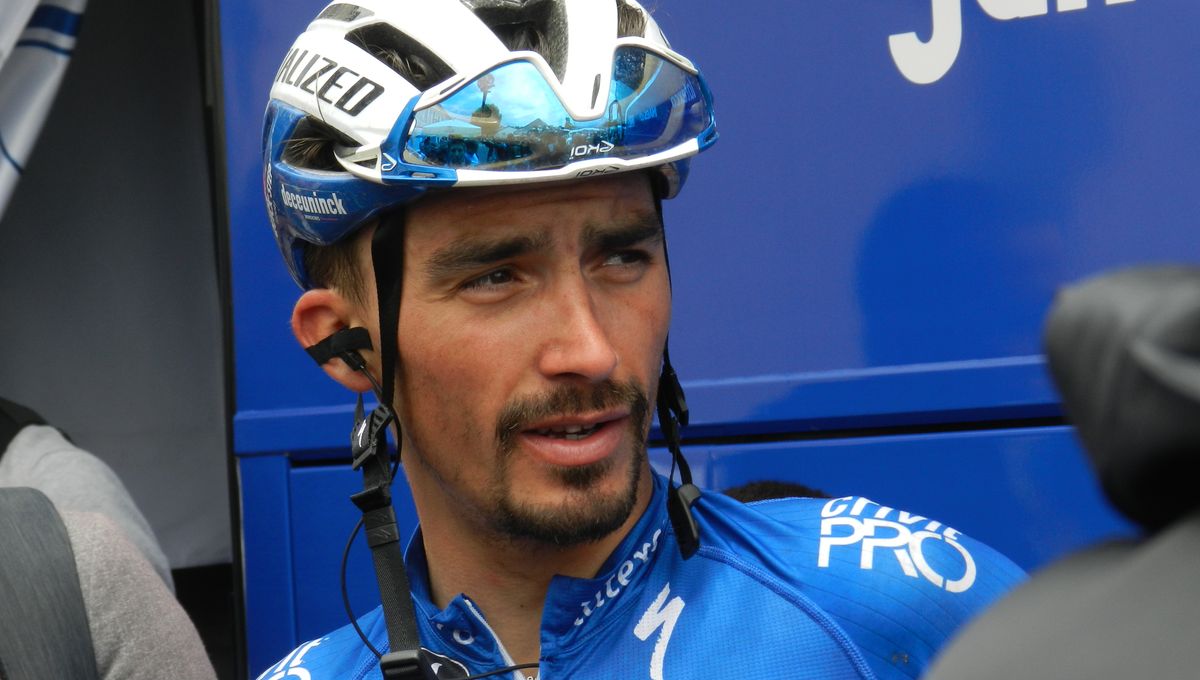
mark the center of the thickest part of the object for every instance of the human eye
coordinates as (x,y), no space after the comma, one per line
(493,280)
(626,265)
(627,258)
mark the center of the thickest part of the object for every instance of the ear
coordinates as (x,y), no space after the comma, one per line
(318,314)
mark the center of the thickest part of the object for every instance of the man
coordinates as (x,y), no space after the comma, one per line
(520,306)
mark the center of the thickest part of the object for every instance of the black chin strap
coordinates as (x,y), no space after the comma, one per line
(368,443)
(405,661)
(673,414)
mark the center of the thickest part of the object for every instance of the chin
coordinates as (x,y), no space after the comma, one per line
(586,504)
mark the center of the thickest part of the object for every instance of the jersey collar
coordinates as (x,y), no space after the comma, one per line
(574,606)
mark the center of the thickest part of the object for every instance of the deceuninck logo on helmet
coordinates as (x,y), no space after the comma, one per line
(313,204)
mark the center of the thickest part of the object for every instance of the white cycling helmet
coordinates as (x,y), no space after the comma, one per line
(381,100)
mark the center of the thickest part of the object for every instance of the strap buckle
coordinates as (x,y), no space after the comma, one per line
(405,665)
(365,438)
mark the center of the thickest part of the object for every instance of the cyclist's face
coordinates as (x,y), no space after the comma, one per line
(531,333)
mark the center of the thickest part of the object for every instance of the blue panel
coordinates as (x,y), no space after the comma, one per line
(323,519)
(267,560)
(272,371)
(855,240)
(1026,492)
(850,218)
(1016,387)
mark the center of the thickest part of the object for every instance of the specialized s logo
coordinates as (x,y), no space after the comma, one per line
(925,62)
(661,615)
(867,527)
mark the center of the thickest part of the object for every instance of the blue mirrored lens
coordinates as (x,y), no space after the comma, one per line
(511,119)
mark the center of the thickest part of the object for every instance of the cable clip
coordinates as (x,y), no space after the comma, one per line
(406,665)
(367,433)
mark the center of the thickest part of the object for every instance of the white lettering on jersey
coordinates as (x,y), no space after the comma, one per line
(846,526)
(612,587)
(289,667)
(925,62)
(659,614)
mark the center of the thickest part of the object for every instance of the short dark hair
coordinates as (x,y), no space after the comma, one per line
(336,266)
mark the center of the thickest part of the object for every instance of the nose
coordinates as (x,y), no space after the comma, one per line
(578,344)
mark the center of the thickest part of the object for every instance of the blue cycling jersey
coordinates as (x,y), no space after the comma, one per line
(793,588)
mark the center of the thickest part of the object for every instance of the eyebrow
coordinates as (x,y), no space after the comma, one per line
(468,255)
(642,228)
(472,254)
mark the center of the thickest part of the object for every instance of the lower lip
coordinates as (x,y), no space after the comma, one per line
(575,452)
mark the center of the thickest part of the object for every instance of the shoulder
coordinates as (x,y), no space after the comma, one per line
(138,628)
(340,655)
(75,480)
(857,540)
(899,584)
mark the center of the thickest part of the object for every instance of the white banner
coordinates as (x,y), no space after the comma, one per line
(12,21)
(36,43)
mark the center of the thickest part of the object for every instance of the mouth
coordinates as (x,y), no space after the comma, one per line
(570,432)
(575,426)
(575,440)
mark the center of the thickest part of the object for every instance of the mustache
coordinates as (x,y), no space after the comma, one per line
(567,400)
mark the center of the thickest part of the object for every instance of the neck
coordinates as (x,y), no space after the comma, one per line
(507,578)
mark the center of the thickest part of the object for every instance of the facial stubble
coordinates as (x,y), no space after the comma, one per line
(585,514)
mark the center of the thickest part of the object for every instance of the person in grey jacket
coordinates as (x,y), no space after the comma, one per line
(138,629)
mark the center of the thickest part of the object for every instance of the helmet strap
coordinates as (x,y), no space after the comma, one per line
(368,447)
(672,414)
(387,258)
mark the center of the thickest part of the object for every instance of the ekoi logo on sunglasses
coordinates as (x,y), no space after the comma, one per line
(926,61)
(603,146)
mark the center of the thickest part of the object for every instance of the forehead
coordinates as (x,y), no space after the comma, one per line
(594,203)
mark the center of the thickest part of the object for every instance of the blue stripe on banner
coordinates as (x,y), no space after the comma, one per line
(44,45)
(4,152)
(56,19)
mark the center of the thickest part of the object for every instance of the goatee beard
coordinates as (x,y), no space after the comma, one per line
(586,515)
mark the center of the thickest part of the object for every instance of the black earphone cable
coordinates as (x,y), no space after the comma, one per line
(358,364)
(506,669)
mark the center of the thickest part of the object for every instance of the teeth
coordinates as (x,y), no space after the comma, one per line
(572,432)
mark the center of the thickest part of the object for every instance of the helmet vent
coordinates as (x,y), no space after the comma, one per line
(311,145)
(631,20)
(344,12)
(534,25)
(400,52)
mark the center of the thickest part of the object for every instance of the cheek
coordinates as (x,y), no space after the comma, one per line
(647,315)
(452,370)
